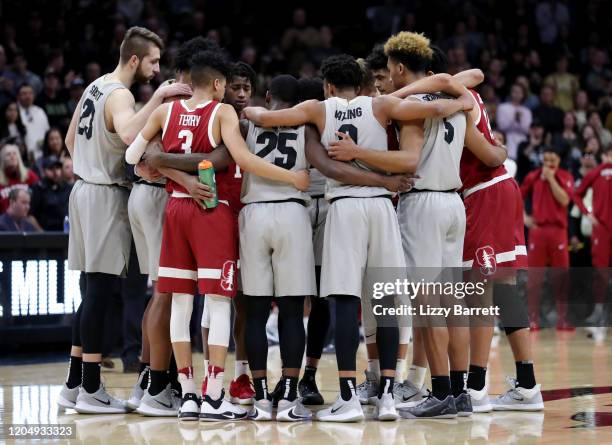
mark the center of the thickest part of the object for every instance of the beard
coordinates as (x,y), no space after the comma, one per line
(140,77)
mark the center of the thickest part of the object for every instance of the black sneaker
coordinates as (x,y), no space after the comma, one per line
(309,392)
(463,403)
(431,408)
(277,394)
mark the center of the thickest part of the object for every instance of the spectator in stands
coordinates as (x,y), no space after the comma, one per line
(531,100)
(11,126)
(77,87)
(605,137)
(23,76)
(598,76)
(53,145)
(581,108)
(67,172)
(15,219)
(530,151)
(50,196)
(13,174)
(565,84)
(53,100)
(514,119)
(567,142)
(92,72)
(35,121)
(7,80)
(547,112)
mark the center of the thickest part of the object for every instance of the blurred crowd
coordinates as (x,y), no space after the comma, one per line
(548,81)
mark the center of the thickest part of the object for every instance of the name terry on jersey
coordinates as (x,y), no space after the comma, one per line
(189,120)
(351,113)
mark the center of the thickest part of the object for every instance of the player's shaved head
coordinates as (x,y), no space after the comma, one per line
(311,89)
(285,88)
(439,61)
(410,49)
(206,66)
(342,71)
(367,82)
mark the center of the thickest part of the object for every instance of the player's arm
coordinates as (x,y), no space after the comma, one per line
(191,183)
(412,109)
(442,82)
(220,158)
(580,192)
(153,126)
(231,136)
(308,112)
(490,155)
(120,108)
(347,173)
(71,133)
(559,193)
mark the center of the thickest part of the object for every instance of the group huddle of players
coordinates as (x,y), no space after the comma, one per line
(305,190)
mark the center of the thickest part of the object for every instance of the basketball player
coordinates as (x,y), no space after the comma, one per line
(441,220)
(152,395)
(376,242)
(238,91)
(199,245)
(377,63)
(101,126)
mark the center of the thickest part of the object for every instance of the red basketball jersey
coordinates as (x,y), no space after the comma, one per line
(472,170)
(190,131)
(233,184)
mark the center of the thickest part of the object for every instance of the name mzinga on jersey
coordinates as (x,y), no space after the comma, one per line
(351,113)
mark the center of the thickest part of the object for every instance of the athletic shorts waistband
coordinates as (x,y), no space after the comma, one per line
(413,190)
(151,184)
(281,201)
(484,185)
(182,195)
(337,198)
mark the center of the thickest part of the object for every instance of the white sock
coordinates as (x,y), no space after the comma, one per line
(215,382)
(205,367)
(374,366)
(240,367)
(416,375)
(399,369)
(187,382)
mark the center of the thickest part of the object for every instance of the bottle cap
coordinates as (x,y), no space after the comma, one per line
(204,164)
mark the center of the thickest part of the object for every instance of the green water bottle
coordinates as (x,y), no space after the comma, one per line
(206,173)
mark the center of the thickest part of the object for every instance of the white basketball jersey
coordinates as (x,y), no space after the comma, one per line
(442,147)
(356,118)
(283,147)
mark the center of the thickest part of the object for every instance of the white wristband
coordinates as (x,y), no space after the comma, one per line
(136,149)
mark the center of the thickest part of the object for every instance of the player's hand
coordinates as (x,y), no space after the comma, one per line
(173,91)
(344,149)
(399,183)
(594,221)
(548,173)
(197,190)
(530,222)
(146,171)
(467,100)
(301,180)
(575,244)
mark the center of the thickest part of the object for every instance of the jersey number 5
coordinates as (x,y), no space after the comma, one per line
(449,131)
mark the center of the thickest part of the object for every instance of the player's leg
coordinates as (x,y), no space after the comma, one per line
(240,388)
(367,391)
(537,257)
(205,329)
(70,389)
(559,265)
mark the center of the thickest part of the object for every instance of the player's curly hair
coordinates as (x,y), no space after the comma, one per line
(439,61)
(410,49)
(342,71)
(242,69)
(189,48)
(377,59)
(208,65)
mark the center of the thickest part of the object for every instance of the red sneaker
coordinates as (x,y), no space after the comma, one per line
(241,390)
(534,326)
(565,326)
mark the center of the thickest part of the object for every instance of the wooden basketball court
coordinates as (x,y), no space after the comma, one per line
(575,373)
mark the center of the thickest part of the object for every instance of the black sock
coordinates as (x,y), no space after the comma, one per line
(457,379)
(309,373)
(261,388)
(75,372)
(476,377)
(91,376)
(173,375)
(158,381)
(386,385)
(347,387)
(524,375)
(289,388)
(145,378)
(143,366)
(440,386)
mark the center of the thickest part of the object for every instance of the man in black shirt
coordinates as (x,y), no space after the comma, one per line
(50,196)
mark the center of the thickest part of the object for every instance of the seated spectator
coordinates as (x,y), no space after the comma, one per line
(53,145)
(53,100)
(532,100)
(547,112)
(67,171)
(582,108)
(530,152)
(77,87)
(35,121)
(567,142)
(23,76)
(50,196)
(16,217)
(13,174)
(565,84)
(12,127)
(605,137)
(514,119)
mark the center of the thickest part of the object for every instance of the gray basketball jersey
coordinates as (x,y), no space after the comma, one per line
(442,147)
(283,147)
(356,118)
(98,153)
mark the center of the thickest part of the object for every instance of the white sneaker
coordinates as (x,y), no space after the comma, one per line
(385,408)
(190,407)
(518,398)
(342,411)
(100,402)
(220,410)
(137,392)
(367,391)
(68,397)
(163,404)
(480,400)
(261,410)
(292,411)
